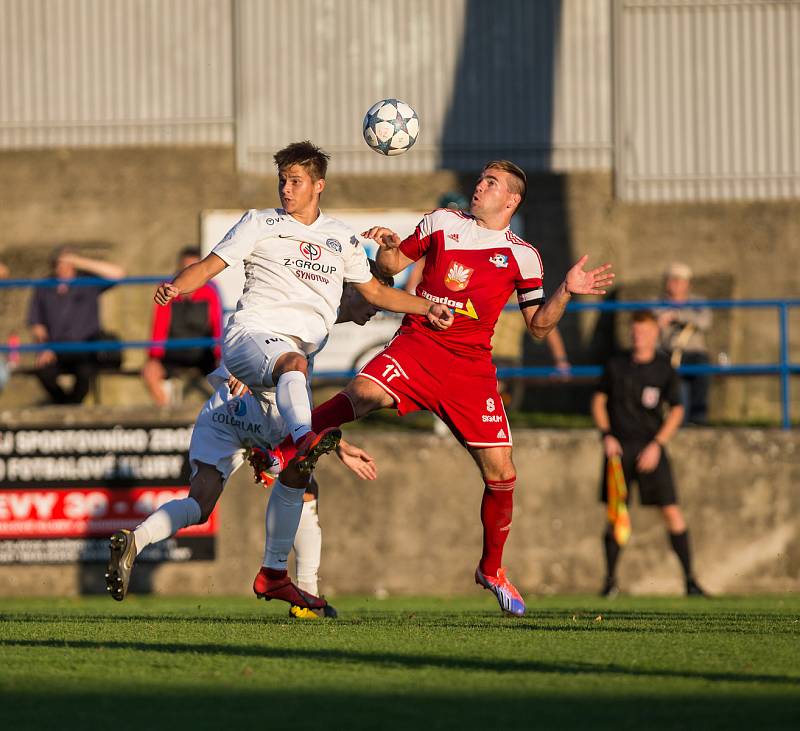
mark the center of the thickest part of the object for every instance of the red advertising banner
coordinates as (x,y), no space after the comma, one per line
(86,512)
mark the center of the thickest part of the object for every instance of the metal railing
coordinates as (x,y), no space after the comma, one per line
(783,368)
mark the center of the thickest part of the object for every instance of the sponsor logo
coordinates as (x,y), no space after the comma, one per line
(499,260)
(334,245)
(353,241)
(462,308)
(310,251)
(236,407)
(457,277)
(285,236)
(492,418)
(229,420)
(272,340)
(502,435)
(272,222)
(453,236)
(650,396)
(309,266)
(490,405)
(311,277)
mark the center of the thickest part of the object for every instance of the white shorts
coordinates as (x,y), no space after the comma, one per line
(228,425)
(251,356)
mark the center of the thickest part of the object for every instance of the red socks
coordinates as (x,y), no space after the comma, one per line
(334,412)
(496,509)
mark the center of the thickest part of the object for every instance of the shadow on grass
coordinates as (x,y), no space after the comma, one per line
(384,660)
(580,620)
(229,708)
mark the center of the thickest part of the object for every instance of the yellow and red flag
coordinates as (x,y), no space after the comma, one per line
(618,514)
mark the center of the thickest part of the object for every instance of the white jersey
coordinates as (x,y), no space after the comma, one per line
(294,274)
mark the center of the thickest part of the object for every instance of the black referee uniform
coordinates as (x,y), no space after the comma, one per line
(637,393)
(636,397)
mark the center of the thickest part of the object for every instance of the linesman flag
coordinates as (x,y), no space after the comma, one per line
(618,514)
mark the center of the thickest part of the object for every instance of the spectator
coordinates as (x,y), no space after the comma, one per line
(683,330)
(70,314)
(196,315)
(634,391)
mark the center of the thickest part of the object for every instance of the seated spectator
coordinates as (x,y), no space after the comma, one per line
(68,313)
(683,330)
(196,315)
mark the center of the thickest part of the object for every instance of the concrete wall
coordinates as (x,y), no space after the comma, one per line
(416,530)
(140,206)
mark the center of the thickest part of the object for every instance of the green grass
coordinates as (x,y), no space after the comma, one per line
(573,662)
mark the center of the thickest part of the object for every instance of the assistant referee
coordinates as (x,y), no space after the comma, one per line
(637,408)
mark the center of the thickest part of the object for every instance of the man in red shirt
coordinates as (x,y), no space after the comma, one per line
(474,262)
(195,315)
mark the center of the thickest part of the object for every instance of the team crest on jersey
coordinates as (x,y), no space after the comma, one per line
(490,405)
(334,245)
(310,251)
(499,260)
(457,277)
(237,407)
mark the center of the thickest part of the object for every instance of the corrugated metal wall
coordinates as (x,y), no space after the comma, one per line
(706,93)
(115,72)
(707,99)
(526,80)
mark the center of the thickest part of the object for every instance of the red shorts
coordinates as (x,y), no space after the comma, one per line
(418,373)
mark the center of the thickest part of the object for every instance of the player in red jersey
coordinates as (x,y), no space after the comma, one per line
(474,262)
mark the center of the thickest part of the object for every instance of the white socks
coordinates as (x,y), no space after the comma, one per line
(283,517)
(166,522)
(308,548)
(294,405)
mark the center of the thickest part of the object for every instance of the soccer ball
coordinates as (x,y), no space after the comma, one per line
(391,127)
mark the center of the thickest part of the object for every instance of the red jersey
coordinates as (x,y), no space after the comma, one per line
(474,271)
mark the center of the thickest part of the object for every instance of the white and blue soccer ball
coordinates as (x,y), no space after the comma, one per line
(391,127)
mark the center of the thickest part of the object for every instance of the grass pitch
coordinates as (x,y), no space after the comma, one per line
(573,662)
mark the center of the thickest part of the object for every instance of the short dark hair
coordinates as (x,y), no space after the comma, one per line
(516,172)
(386,279)
(643,316)
(305,154)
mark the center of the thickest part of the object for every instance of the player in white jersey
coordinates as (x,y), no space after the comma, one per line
(296,261)
(231,424)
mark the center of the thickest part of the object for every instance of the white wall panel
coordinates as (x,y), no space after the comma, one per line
(707,96)
(519,79)
(115,72)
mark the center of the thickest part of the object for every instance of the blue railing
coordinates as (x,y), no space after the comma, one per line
(784,368)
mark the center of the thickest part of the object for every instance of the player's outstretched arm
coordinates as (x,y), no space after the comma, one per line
(541,320)
(357,460)
(190,279)
(395,300)
(390,259)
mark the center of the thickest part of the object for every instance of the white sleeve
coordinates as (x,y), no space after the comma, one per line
(240,241)
(356,264)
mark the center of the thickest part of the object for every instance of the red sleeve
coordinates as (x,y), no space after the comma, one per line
(215,317)
(210,294)
(416,245)
(160,331)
